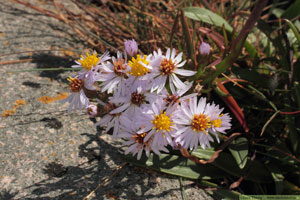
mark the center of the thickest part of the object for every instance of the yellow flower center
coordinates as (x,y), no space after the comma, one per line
(89,61)
(75,84)
(137,68)
(216,123)
(162,122)
(167,67)
(201,123)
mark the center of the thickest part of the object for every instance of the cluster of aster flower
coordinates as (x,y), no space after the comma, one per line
(146,105)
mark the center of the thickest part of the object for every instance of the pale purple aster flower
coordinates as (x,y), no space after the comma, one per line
(77,98)
(134,101)
(158,120)
(194,123)
(176,95)
(111,120)
(220,122)
(89,61)
(139,72)
(114,74)
(204,48)
(131,47)
(135,139)
(168,68)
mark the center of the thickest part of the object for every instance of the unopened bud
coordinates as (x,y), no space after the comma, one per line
(131,47)
(92,110)
(204,48)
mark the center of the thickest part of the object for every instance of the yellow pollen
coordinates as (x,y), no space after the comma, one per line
(167,67)
(162,122)
(216,123)
(201,123)
(89,61)
(137,69)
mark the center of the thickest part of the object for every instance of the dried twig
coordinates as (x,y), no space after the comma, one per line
(105,181)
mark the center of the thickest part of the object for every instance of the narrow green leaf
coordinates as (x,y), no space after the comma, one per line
(207,16)
(292,11)
(294,29)
(239,150)
(177,165)
(225,161)
(187,36)
(220,193)
(268,122)
(277,176)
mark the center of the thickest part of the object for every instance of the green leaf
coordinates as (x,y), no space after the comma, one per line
(177,165)
(220,193)
(254,170)
(251,76)
(187,36)
(277,176)
(239,150)
(293,11)
(207,16)
(294,29)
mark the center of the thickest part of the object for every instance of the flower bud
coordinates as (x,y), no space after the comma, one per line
(204,48)
(92,110)
(131,47)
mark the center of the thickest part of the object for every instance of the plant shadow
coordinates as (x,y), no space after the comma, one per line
(76,182)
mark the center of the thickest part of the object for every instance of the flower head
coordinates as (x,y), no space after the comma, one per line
(138,66)
(131,47)
(88,62)
(77,98)
(204,48)
(167,69)
(135,139)
(158,120)
(196,122)
(114,74)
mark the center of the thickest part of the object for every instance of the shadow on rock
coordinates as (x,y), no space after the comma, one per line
(76,182)
(6,194)
(56,63)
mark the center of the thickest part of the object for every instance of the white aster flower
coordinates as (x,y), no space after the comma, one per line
(139,72)
(195,120)
(77,98)
(177,94)
(135,137)
(114,74)
(167,69)
(88,62)
(134,101)
(159,122)
(111,120)
(220,122)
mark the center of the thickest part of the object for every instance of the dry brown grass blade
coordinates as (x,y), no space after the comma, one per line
(15,61)
(44,11)
(228,141)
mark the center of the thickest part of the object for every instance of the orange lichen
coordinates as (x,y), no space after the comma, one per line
(47,99)
(17,103)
